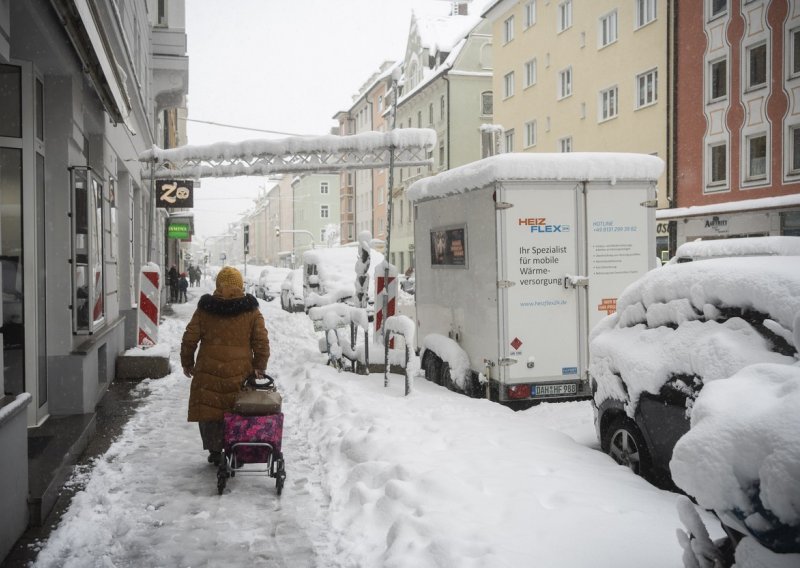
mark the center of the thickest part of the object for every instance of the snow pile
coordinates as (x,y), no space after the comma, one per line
(579,166)
(750,246)
(676,320)
(157,350)
(335,277)
(741,457)
(451,353)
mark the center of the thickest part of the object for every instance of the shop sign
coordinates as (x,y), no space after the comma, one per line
(178,230)
(173,194)
(716,224)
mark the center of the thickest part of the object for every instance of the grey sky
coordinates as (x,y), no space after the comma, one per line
(282,65)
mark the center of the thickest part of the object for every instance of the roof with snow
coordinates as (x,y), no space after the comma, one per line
(579,166)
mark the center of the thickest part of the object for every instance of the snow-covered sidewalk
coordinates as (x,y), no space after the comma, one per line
(374,479)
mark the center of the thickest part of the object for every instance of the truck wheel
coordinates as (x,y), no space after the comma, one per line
(431,363)
(625,444)
(446,378)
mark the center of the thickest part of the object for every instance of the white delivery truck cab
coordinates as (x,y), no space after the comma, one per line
(518,256)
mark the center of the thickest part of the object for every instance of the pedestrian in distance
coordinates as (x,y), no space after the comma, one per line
(172,282)
(234,344)
(183,285)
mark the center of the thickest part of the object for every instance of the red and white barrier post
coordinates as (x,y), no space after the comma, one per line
(149,302)
(381,290)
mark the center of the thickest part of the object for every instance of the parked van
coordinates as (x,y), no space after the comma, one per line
(518,256)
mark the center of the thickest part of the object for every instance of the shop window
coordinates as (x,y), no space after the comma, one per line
(88,298)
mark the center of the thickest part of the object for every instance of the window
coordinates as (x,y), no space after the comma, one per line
(757,66)
(509,140)
(795,48)
(530,133)
(323,187)
(530,13)
(718,7)
(441,153)
(565,144)
(794,140)
(719,79)
(646,88)
(719,164)
(608,29)
(430,113)
(441,107)
(565,83)
(487,143)
(487,106)
(380,103)
(87,251)
(564,15)
(530,72)
(324,212)
(508,29)
(757,157)
(645,12)
(508,85)
(11,101)
(608,103)
(322,235)
(419,119)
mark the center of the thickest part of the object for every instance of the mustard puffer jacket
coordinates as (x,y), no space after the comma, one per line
(233,344)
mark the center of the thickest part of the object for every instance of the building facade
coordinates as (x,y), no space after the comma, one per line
(575,76)
(446,86)
(737,125)
(315,211)
(85,87)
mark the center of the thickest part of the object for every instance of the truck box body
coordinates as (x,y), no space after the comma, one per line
(518,256)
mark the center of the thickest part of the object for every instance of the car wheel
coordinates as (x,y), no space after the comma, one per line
(626,445)
(431,363)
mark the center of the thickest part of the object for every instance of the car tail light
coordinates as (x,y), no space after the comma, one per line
(516,392)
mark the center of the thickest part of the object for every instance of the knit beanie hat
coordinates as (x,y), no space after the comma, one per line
(230,279)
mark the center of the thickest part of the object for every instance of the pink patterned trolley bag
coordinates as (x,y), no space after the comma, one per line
(252,440)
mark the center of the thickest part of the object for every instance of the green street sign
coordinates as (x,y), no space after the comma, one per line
(178,230)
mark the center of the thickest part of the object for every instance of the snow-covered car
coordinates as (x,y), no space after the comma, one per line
(292,291)
(677,329)
(751,479)
(269,283)
(329,275)
(747,246)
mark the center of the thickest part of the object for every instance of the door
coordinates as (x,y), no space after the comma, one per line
(22,226)
(539,314)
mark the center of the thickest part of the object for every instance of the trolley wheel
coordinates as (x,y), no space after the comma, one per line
(222,477)
(280,475)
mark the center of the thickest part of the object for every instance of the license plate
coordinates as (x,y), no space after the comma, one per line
(554,390)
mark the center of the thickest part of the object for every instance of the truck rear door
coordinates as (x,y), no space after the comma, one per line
(538,246)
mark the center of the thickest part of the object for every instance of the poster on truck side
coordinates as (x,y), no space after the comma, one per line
(620,241)
(541,331)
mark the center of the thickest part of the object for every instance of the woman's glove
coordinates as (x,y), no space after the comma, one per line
(260,374)
(188,372)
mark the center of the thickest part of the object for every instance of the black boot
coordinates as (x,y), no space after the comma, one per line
(214,457)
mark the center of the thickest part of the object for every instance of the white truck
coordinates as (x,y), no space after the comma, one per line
(518,256)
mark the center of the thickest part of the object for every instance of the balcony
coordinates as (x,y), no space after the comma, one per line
(170,67)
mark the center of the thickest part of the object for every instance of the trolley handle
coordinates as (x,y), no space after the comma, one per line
(251,381)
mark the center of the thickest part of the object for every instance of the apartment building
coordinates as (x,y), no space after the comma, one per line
(85,87)
(363,203)
(315,210)
(446,86)
(573,76)
(737,126)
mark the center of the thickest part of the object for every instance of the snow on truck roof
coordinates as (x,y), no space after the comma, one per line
(579,166)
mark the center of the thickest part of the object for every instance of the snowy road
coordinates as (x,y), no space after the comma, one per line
(374,479)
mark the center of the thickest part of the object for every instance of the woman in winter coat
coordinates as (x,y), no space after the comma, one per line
(233,344)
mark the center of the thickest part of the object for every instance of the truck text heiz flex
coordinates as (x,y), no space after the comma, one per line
(518,256)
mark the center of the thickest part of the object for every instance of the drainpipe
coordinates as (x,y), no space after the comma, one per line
(447,109)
